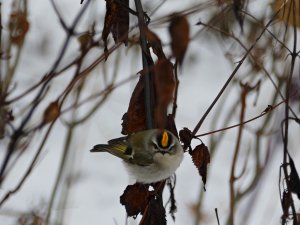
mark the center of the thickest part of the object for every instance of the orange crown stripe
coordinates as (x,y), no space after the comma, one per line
(165,139)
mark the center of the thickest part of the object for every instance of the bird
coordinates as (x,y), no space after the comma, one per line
(149,156)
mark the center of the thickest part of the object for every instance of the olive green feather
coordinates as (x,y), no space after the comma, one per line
(121,148)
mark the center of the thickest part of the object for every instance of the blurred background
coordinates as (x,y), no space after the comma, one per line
(59,100)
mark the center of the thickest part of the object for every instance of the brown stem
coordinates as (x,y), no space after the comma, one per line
(286,121)
(235,156)
(20,130)
(148,82)
(243,122)
(176,90)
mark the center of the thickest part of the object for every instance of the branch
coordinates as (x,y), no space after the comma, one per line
(266,111)
(232,179)
(148,85)
(20,131)
(197,127)
(29,170)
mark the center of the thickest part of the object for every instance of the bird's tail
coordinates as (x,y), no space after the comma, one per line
(101,148)
(118,149)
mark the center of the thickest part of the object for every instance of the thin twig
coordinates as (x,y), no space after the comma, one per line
(60,173)
(197,127)
(20,130)
(176,90)
(216,211)
(232,179)
(268,30)
(75,61)
(286,122)
(242,123)
(108,89)
(30,168)
(231,35)
(62,22)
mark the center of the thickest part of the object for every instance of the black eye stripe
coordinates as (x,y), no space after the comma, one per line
(155,146)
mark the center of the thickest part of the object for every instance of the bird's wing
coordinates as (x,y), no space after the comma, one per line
(118,147)
(122,149)
(120,140)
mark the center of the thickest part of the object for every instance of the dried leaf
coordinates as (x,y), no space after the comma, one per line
(286,13)
(18,27)
(237,9)
(201,158)
(294,180)
(116,21)
(171,126)
(154,43)
(110,17)
(51,113)
(155,213)
(134,119)
(85,41)
(37,220)
(30,219)
(135,199)
(120,26)
(164,83)
(138,199)
(179,31)
(186,137)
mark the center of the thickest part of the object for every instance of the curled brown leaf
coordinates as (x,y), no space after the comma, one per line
(120,27)
(201,158)
(85,40)
(110,16)
(179,30)
(135,199)
(18,26)
(116,21)
(171,126)
(237,9)
(51,113)
(154,43)
(135,118)
(186,137)
(164,84)
(289,13)
(155,213)
(294,180)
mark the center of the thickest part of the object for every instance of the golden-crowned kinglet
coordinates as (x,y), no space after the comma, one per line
(150,155)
